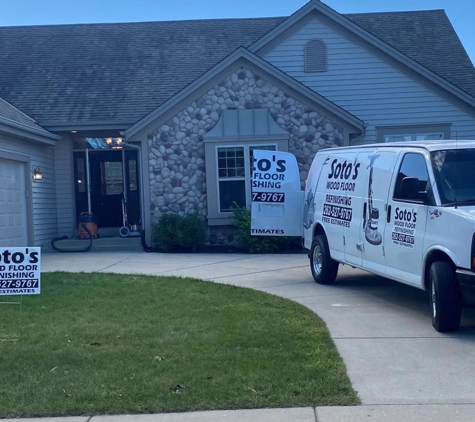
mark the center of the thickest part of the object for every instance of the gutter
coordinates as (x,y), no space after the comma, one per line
(37,131)
(359,137)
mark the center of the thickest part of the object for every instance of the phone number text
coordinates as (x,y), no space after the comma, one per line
(340,213)
(404,238)
(18,284)
(268,197)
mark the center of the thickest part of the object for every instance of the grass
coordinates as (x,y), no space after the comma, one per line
(104,343)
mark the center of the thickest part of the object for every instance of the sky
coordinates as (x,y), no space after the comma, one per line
(43,12)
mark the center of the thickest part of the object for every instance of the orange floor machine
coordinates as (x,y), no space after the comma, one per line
(87,219)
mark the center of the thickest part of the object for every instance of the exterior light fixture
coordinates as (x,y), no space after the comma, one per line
(74,131)
(37,175)
(109,141)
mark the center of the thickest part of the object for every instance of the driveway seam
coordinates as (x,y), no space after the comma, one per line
(315,414)
(199,266)
(215,263)
(276,286)
(259,272)
(109,266)
(185,268)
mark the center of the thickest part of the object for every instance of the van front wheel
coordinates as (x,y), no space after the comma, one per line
(324,268)
(445,298)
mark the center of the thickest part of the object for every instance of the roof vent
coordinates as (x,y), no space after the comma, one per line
(315,56)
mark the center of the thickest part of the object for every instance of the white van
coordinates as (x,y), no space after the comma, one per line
(405,211)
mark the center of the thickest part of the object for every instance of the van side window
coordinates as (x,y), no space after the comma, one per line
(414,166)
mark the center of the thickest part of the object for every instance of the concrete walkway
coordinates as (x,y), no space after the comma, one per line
(401,367)
(432,413)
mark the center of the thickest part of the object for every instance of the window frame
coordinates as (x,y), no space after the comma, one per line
(429,182)
(413,136)
(413,131)
(247,170)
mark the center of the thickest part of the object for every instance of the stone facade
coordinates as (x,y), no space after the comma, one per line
(176,149)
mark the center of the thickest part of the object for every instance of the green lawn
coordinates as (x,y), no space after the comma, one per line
(104,343)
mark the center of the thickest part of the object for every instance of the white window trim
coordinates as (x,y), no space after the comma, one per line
(413,136)
(247,170)
(414,130)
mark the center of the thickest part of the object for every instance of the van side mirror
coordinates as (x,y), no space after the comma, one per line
(410,190)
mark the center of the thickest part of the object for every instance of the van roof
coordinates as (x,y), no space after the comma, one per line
(427,145)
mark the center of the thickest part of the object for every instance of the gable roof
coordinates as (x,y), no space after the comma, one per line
(397,44)
(427,37)
(244,55)
(13,118)
(115,74)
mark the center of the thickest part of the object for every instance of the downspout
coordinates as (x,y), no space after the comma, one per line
(359,137)
(145,247)
(88,181)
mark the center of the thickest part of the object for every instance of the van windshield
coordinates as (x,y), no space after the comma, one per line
(454,172)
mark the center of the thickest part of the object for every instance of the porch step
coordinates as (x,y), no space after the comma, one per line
(103,244)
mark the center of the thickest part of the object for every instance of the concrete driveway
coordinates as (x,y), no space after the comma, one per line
(382,329)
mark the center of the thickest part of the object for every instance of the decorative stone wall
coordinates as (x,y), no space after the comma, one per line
(176,149)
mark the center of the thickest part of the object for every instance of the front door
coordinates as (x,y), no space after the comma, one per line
(404,236)
(109,173)
(378,167)
(107,187)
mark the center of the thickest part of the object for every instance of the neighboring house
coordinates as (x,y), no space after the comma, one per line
(189,101)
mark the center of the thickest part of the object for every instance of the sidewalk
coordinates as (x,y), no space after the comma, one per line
(393,413)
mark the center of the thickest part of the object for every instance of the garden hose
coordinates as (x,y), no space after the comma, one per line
(56,248)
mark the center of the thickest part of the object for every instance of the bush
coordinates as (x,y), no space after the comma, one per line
(258,244)
(174,233)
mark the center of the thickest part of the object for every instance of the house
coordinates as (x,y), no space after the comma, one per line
(170,112)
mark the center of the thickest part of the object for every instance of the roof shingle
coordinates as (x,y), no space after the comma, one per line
(120,72)
(12,114)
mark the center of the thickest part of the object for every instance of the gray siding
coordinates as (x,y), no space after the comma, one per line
(366,86)
(64,171)
(43,191)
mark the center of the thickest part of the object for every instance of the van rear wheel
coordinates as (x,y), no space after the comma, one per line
(445,298)
(324,268)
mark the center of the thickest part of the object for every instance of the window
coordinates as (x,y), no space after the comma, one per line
(81,174)
(234,165)
(454,172)
(132,175)
(315,56)
(412,133)
(414,166)
(414,137)
(111,175)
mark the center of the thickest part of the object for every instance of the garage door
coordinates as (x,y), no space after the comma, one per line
(13,228)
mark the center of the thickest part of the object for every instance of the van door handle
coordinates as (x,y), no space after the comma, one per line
(364,216)
(388,218)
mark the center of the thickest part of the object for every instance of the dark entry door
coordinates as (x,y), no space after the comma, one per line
(107,186)
(107,172)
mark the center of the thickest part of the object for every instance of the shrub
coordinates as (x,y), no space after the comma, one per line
(174,233)
(258,244)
